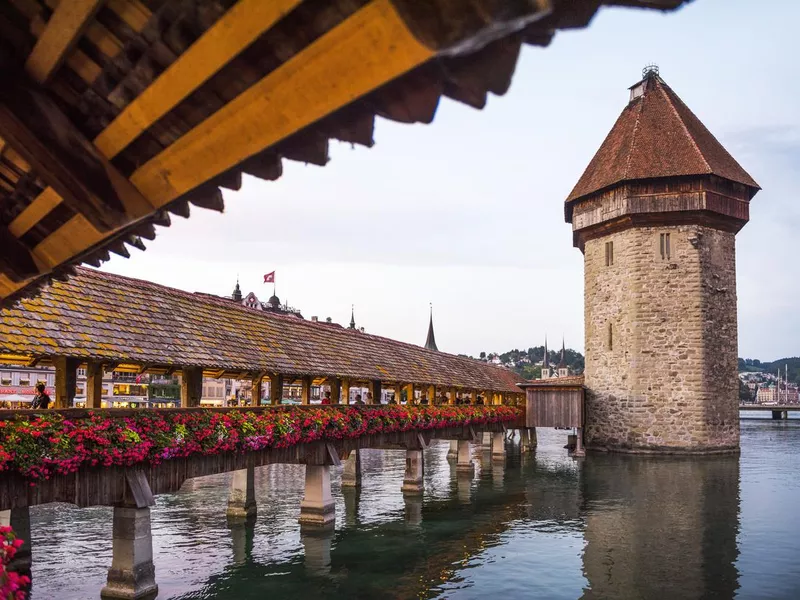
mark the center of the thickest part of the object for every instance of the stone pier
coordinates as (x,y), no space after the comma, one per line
(413,510)
(242,497)
(453,452)
(317,549)
(351,474)
(528,439)
(19,519)
(318,508)
(464,462)
(413,482)
(498,447)
(132,574)
(486,440)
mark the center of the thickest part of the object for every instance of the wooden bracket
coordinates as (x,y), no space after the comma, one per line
(139,488)
(333,455)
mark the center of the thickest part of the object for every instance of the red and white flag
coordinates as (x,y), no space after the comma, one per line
(269,277)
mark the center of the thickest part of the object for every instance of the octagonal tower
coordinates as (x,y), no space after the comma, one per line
(655,215)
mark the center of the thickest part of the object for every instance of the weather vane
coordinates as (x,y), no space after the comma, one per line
(650,69)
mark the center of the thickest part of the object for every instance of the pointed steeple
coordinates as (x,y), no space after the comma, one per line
(546,359)
(352,316)
(563,362)
(430,342)
(237,292)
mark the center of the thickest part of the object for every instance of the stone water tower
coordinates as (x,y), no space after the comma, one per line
(655,215)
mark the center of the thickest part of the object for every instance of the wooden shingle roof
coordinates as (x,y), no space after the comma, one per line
(657,136)
(117,114)
(115,319)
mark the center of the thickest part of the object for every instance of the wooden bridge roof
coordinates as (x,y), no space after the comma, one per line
(116,114)
(119,320)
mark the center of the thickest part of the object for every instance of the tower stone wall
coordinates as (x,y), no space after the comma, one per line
(661,343)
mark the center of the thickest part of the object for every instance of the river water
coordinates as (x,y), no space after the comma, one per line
(543,526)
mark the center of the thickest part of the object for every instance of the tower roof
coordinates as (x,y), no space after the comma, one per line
(430,341)
(657,136)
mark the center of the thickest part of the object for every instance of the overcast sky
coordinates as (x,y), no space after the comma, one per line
(467,213)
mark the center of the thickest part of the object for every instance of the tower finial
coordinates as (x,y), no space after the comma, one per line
(352,316)
(650,70)
(237,291)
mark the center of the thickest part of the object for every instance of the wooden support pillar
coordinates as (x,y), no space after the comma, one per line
(66,380)
(375,390)
(191,386)
(452,399)
(255,397)
(410,394)
(488,398)
(473,397)
(431,394)
(335,385)
(305,390)
(345,397)
(398,391)
(275,388)
(94,384)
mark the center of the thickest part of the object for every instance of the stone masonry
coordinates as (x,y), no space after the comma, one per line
(661,341)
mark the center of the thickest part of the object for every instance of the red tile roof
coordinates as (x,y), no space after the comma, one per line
(657,136)
(118,319)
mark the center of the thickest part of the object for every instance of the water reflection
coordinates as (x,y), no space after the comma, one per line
(533,526)
(660,527)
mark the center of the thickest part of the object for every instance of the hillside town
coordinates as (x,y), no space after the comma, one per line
(769,388)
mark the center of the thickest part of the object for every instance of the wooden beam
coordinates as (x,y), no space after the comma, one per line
(86,181)
(364,52)
(345,397)
(191,386)
(66,380)
(94,384)
(34,212)
(230,35)
(61,34)
(276,388)
(305,390)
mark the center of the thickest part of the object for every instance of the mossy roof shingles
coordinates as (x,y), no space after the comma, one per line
(118,319)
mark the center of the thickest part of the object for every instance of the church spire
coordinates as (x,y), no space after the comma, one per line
(237,292)
(546,359)
(563,362)
(430,342)
(352,316)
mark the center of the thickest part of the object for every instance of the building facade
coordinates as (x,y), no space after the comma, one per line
(655,215)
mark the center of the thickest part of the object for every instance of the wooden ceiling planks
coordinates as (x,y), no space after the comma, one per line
(183,97)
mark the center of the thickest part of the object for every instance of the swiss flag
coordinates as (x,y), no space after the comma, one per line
(269,277)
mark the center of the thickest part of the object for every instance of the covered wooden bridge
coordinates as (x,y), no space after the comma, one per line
(103,322)
(117,114)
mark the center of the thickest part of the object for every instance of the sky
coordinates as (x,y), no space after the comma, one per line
(466,214)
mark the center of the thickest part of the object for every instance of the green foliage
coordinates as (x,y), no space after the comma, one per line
(524,361)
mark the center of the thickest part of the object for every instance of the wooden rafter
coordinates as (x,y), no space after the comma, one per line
(364,52)
(35,126)
(232,33)
(61,34)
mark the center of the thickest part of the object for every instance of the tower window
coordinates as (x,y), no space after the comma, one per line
(609,253)
(610,336)
(665,246)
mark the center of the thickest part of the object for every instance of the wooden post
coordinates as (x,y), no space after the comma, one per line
(255,399)
(345,398)
(375,390)
(275,388)
(335,387)
(452,399)
(191,386)
(473,397)
(431,395)
(305,390)
(94,384)
(410,394)
(66,380)
(487,398)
